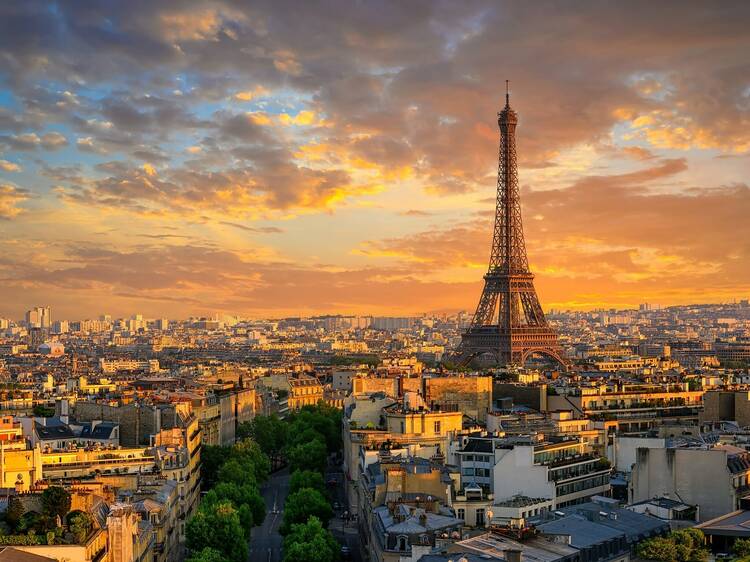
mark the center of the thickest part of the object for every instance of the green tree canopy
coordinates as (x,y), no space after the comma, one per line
(245,495)
(310,542)
(212,459)
(741,548)
(217,525)
(80,524)
(268,431)
(686,545)
(249,453)
(56,501)
(208,554)
(302,505)
(306,479)
(14,512)
(323,419)
(658,548)
(311,455)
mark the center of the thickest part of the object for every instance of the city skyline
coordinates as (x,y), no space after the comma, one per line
(181,159)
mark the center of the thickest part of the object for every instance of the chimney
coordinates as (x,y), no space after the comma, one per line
(513,555)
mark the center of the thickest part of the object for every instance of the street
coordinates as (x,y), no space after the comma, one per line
(265,542)
(344,531)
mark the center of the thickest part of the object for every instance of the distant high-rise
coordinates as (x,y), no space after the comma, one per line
(509,324)
(39,317)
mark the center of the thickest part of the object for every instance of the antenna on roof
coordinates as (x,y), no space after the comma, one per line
(507,93)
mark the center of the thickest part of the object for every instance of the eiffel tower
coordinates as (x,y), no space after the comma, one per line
(509,324)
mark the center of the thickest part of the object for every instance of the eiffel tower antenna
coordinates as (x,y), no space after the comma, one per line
(509,324)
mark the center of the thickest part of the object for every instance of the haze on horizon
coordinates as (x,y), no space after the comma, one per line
(273,158)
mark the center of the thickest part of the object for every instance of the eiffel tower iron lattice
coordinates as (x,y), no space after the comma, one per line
(509,324)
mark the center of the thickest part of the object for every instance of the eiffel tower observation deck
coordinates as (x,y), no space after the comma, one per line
(509,324)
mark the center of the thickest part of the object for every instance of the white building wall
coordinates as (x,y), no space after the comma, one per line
(515,473)
(693,476)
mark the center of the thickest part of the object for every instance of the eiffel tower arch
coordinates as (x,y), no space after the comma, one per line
(509,324)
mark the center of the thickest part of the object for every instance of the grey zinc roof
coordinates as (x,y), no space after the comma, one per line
(735,524)
(412,524)
(478,446)
(634,525)
(583,533)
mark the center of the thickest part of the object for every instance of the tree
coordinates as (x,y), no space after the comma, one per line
(302,435)
(658,548)
(236,472)
(80,524)
(14,512)
(321,418)
(268,431)
(246,495)
(311,455)
(41,411)
(303,504)
(55,501)
(212,459)
(207,555)
(217,525)
(686,545)
(306,479)
(310,542)
(249,453)
(741,548)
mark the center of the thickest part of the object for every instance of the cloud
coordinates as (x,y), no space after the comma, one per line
(30,141)
(616,237)
(210,279)
(388,110)
(259,229)
(10,197)
(249,95)
(6,166)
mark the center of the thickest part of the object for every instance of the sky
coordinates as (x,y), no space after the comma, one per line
(274,158)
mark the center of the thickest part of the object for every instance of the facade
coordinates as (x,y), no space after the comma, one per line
(304,391)
(403,509)
(680,472)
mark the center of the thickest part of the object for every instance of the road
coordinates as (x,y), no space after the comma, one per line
(345,531)
(265,542)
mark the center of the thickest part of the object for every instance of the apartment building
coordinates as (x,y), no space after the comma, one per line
(561,469)
(713,478)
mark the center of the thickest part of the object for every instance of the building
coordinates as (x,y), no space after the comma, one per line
(404,508)
(494,545)
(39,317)
(304,391)
(726,405)
(733,352)
(53,349)
(680,472)
(600,530)
(562,470)
(19,468)
(722,531)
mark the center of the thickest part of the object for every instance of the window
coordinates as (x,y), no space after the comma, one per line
(480,517)
(468,472)
(402,542)
(402,427)
(437,427)
(461,514)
